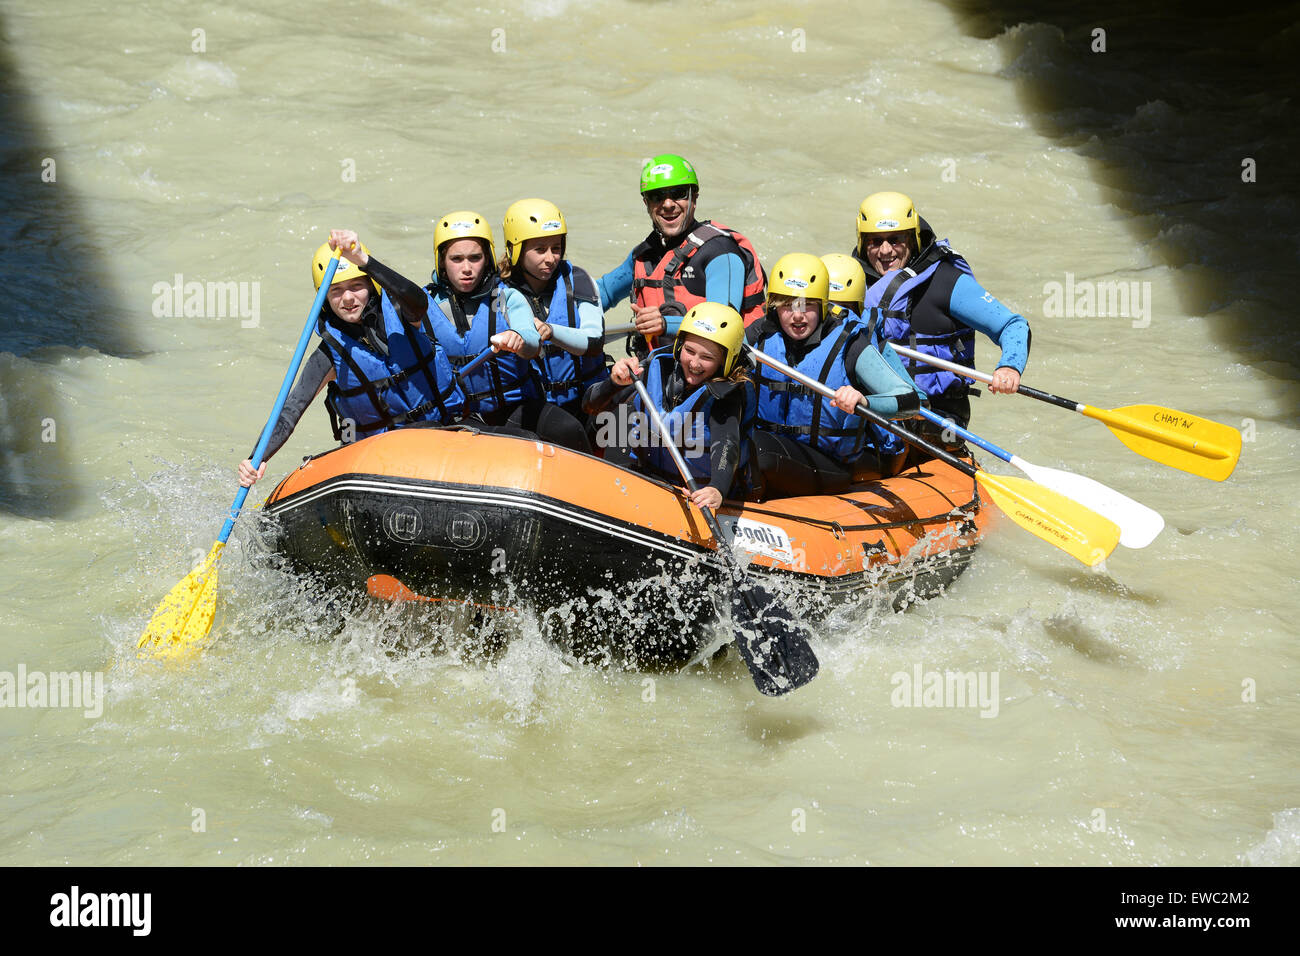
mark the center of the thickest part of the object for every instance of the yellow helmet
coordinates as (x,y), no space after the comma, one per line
(346,270)
(800,275)
(888,212)
(718,323)
(530,219)
(848,279)
(462,225)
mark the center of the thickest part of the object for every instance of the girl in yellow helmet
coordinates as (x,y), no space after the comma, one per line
(564,300)
(371,334)
(470,311)
(701,391)
(806,444)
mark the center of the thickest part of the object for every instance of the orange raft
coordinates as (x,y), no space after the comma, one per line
(616,566)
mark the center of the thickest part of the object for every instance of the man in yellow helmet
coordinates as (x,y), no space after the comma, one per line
(931,302)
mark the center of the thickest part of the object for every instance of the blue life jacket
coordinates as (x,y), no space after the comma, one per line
(688,424)
(786,407)
(926,325)
(565,377)
(503,381)
(412,382)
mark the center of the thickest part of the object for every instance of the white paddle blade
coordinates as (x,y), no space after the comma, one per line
(1138,524)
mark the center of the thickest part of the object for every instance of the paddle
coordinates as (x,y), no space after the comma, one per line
(1076,530)
(778,657)
(1177,439)
(468,367)
(1138,524)
(184,618)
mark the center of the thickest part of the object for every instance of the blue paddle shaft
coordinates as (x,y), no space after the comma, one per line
(283,397)
(968,436)
(483,356)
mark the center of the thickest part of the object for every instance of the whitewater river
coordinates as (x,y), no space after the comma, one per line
(1146,711)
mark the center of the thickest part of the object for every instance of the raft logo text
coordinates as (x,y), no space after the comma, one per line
(76,689)
(1086,299)
(208,300)
(628,428)
(922,688)
(102,909)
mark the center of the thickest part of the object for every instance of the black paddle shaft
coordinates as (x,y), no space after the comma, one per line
(777,655)
(1049,398)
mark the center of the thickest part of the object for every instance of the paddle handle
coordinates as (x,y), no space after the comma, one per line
(984,377)
(617,330)
(283,397)
(865,411)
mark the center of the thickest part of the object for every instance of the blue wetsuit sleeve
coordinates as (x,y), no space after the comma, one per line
(588,338)
(724,281)
(885,390)
(519,315)
(895,362)
(973,306)
(616,285)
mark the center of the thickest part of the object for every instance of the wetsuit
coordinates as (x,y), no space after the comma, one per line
(936,306)
(573,359)
(727,431)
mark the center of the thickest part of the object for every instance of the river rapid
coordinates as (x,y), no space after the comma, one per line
(1144,712)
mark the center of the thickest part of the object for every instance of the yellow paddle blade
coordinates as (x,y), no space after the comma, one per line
(182,621)
(1078,531)
(1174,438)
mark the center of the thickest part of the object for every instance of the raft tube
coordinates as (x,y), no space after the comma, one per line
(616,566)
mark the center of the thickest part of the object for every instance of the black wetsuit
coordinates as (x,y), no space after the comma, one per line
(724,425)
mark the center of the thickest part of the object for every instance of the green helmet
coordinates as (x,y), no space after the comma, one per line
(667,170)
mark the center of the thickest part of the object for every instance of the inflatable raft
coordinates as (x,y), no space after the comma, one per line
(616,566)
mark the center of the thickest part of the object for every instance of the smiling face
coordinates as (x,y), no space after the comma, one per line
(671,209)
(348,299)
(700,359)
(799,318)
(887,251)
(463,262)
(541,257)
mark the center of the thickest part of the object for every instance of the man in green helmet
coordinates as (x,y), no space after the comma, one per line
(683,261)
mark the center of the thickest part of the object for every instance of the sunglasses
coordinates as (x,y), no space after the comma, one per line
(676,193)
